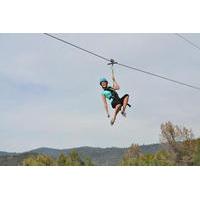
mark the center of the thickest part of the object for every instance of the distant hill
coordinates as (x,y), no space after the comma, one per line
(13,159)
(100,156)
(3,153)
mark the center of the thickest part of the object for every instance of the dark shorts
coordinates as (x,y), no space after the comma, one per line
(118,101)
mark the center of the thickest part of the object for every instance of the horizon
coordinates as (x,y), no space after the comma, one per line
(60,149)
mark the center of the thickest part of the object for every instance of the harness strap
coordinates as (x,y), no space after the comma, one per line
(113,93)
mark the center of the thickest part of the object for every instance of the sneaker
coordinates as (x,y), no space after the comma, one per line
(123,113)
(112,122)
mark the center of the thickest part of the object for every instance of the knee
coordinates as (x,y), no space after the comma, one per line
(118,106)
(127,96)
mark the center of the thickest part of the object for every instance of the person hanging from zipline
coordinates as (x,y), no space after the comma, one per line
(110,93)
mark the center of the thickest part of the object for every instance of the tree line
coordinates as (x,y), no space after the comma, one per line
(73,159)
(179,148)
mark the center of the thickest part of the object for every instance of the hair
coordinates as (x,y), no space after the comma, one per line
(104,81)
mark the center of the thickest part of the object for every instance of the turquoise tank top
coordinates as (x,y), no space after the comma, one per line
(107,94)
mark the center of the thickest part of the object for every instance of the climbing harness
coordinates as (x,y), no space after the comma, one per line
(112,94)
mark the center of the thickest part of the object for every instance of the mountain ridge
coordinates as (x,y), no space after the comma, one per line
(99,156)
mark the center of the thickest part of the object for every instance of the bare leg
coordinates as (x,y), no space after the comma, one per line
(125,103)
(117,109)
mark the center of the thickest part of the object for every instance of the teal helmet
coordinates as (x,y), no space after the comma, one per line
(103,80)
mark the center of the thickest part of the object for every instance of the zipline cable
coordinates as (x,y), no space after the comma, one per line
(188,41)
(159,76)
(123,65)
(90,52)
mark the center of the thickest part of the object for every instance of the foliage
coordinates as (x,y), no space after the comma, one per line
(73,159)
(179,148)
(196,155)
(39,160)
(88,161)
(160,158)
(179,142)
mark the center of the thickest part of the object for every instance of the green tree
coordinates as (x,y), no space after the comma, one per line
(39,160)
(62,159)
(179,148)
(160,158)
(73,159)
(196,155)
(88,162)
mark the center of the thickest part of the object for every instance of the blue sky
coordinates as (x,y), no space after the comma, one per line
(50,94)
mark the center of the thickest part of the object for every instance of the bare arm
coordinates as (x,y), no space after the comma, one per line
(115,84)
(105,105)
